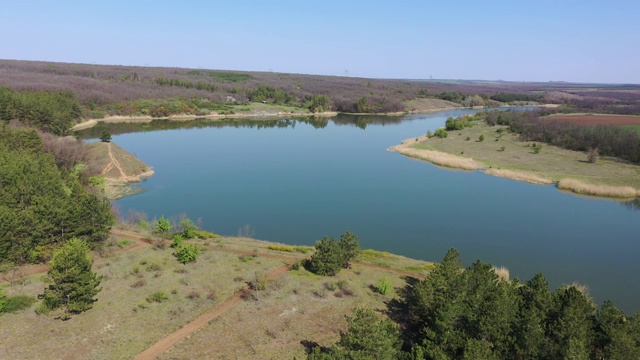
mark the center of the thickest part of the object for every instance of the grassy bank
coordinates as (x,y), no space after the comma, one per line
(297,306)
(503,154)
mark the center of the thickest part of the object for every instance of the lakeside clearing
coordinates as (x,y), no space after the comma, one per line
(504,154)
(295,307)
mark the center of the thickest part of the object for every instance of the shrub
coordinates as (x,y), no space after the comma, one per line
(429,134)
(441,133)
(481,138)
(15,303)
(188,228)
(283,248)
(503,148)
(202,234)
(536,148)
(158,296)
(331,286)
(162,226)
(187,254)
(468,138)
(178,241)
(383,286)
(259,282)
(592,155)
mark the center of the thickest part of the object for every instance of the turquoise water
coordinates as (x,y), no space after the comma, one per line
(300,181)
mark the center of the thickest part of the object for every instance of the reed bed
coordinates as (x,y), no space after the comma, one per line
(440,158)
(519,175)
(580,187)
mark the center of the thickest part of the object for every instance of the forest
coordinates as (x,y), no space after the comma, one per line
(103,90)
(474,313)
(45,198)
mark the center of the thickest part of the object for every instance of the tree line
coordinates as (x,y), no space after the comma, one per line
(472,313)
(43,204)
(609,140)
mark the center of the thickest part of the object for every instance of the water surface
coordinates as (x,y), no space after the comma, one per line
(299,181)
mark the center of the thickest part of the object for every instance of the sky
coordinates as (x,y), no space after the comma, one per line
(515,40)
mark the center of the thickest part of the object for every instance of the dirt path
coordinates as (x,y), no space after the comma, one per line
(218,310)
(28,270)
(114,162)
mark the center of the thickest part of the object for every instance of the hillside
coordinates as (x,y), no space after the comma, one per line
(117,166)
(106,90)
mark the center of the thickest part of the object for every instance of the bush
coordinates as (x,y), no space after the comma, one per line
(383,286)
(158,296)
(15,303)
(441,133)
(481,138)
(187,254)
(536,148)
(283,248)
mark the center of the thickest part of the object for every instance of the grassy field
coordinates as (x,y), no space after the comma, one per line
(506,152)
(634,127)
(297,307)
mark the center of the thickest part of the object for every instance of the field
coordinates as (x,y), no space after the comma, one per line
(505,151)
(295,309)
(598,119)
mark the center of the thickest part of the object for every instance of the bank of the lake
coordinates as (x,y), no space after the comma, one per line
(503,154)
(297,180)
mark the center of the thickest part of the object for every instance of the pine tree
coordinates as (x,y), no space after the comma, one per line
(328,258)
(368,337)
(73,284)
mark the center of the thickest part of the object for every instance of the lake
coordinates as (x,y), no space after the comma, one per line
(298,181)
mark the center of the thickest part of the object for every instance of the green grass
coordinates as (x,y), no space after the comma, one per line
(552,162)
(633,127)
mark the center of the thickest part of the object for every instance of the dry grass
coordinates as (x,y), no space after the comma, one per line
(122,323)
(519,175)
(299,308)
(502,272)
(440,158)
(581,187)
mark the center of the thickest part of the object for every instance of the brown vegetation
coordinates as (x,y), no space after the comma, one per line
(597,119)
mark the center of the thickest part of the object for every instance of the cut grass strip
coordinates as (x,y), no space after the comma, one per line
(580,187)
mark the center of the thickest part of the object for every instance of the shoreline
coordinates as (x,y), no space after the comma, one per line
(567,184)
(115,119)
(87,124)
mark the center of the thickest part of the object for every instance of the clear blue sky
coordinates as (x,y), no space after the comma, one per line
(518,40)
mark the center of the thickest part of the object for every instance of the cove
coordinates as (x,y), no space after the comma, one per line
(298,181)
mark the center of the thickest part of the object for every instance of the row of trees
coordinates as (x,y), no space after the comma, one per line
(610,140)
(472,313)
(43,205)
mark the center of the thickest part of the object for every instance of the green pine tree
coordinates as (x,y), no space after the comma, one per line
(73,284)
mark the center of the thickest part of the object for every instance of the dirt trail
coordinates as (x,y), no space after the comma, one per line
(114,162)
(218,310)
(28,270)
